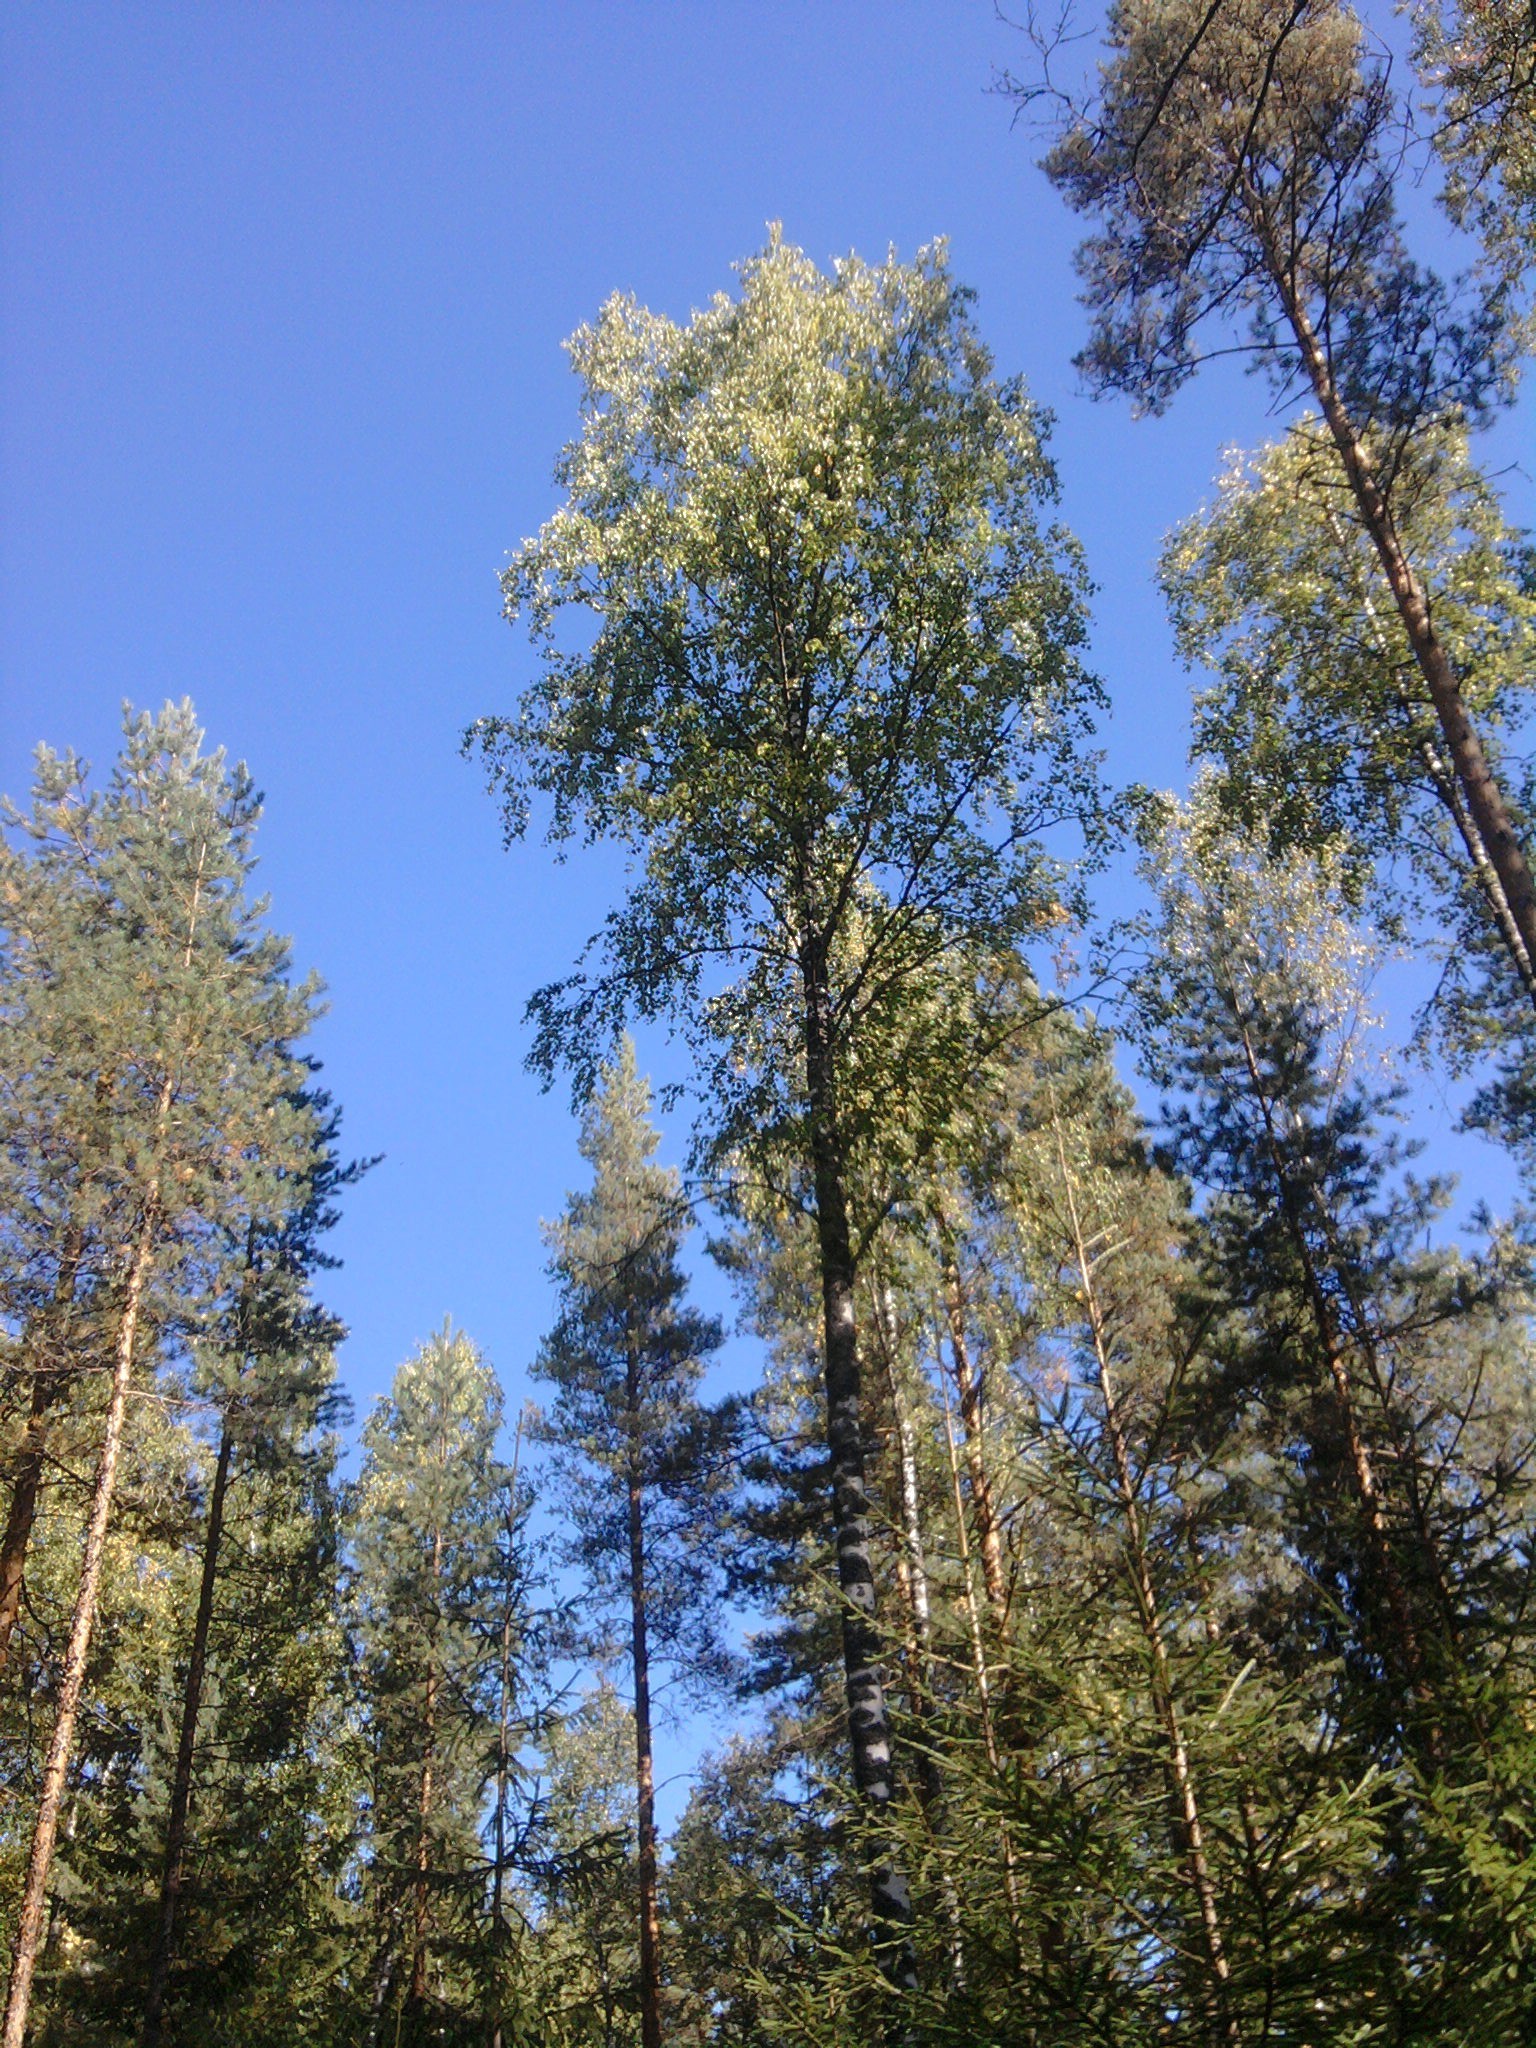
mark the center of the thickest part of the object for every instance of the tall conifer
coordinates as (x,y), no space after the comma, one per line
(626,1357)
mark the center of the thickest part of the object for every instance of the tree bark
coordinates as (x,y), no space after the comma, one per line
(30,1917)
(912,1581)
(869,1729)
(911,1564)
(1485,802)
(504,1751)
(645,1768)
(25,1488)
(186,1751)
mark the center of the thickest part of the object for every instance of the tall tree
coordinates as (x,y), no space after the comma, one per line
(828,691)
(1240,159)
(626,1357)
(266,1790)
(178,1018)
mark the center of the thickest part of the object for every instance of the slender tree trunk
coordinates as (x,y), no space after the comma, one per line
(1190,1841)
(381,1977)
(420,1914)
(1485,801)
(504,1750)
(49,1381)
(911,1565)
(912,1577)
(503,1769)
(1449,792)
(645,1767)
(34,1896)
(989,1540)
(983,1677)
(869,1729)
(186,1750)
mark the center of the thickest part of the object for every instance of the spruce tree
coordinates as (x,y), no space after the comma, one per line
(431,1537)
(1386,1382)
(626,1357)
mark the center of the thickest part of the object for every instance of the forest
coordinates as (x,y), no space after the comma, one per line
(1116,1563)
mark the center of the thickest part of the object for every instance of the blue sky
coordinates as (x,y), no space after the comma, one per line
(284,292)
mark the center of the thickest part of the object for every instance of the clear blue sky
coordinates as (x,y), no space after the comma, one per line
(283,297)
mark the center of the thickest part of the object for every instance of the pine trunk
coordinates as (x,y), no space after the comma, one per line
(25,1488)
(503,1769)
(186,1752)
(421,1892)
(34,1897)
(1488,811)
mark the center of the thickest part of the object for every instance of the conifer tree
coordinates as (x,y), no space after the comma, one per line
(266,1374)
(171,1017)
(1478,57)
(430,1533)
(626,1357)
(266,1789)
(1391,1379)
(1239,159)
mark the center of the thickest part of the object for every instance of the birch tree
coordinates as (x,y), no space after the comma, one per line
(811,652)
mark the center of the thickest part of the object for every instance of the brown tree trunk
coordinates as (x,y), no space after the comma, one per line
(869,1729)
(186,1750)
(25,1488)
(30,1917)
(1485,801)
(504,1751)
(1449,792)
(645,1766)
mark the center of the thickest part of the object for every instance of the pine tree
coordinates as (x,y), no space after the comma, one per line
(1240,160)
(172,1014)
(266,1375)
(626,1357)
